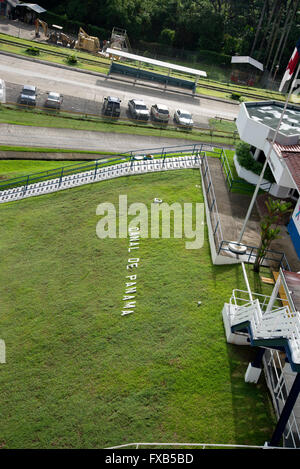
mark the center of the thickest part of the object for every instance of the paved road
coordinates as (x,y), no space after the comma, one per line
(86,91)
(81,140)
(93,88)
(70,103)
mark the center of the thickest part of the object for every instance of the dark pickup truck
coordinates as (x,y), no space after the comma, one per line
(111,106)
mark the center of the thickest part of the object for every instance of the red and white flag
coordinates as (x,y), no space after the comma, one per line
(291,66)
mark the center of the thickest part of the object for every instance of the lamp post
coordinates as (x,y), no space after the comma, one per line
(275,73)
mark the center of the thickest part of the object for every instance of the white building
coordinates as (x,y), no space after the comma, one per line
(257,123)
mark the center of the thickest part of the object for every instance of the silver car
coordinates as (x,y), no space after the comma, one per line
(28,95)
(183,118)
(138,109)
(54,100)
(2,91)
(160,112)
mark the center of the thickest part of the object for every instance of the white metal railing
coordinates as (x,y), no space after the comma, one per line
(112,171)
(211,201)
(192,445)
(244,313)
(241,297)
(280,321)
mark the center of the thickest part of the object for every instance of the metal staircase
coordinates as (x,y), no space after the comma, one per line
(276,328)
(271,324)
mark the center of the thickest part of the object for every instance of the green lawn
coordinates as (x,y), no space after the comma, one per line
(15,168)
(78,374)
(10,169)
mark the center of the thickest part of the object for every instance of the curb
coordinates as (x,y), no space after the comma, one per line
(50,156)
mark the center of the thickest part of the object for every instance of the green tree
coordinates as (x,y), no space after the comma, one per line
(232,45)
(270,230)
(198,26)
(167,36)
(265,29)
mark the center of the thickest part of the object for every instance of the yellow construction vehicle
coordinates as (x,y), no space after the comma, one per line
(86,42)
(59,38)
(43,24)
(67,41)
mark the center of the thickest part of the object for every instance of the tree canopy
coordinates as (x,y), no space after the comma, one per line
(265,29)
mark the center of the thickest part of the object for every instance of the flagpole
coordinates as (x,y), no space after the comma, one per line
(266,162)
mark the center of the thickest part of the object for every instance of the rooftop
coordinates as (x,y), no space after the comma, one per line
(291,156)
(268,113)
(113,99)
(236,59)
(31,6)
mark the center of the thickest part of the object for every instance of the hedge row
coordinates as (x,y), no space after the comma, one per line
(72,27)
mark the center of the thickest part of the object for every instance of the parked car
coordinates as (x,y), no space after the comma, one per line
(54,100)
(160,112)
(183,118)
(2,91)
(28,95)
(111,106)
(138,109)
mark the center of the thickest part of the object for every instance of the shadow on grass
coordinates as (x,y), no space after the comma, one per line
(254,417)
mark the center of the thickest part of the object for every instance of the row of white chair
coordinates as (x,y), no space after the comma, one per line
(107,172)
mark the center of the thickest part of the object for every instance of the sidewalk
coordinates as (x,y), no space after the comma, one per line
(84,140)
(232,209)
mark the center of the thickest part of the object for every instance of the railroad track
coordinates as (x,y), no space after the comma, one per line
(52,52)
(224,89)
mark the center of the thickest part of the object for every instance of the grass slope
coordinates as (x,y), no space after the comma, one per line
(16,168)
(78,375)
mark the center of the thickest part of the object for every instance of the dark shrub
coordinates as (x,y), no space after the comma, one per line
(246,160)
(33,50)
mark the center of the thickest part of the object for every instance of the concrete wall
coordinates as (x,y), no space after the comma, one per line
(250,131)
(231,338)
(278,168)
(217,259)
(252,178)
(260,136)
